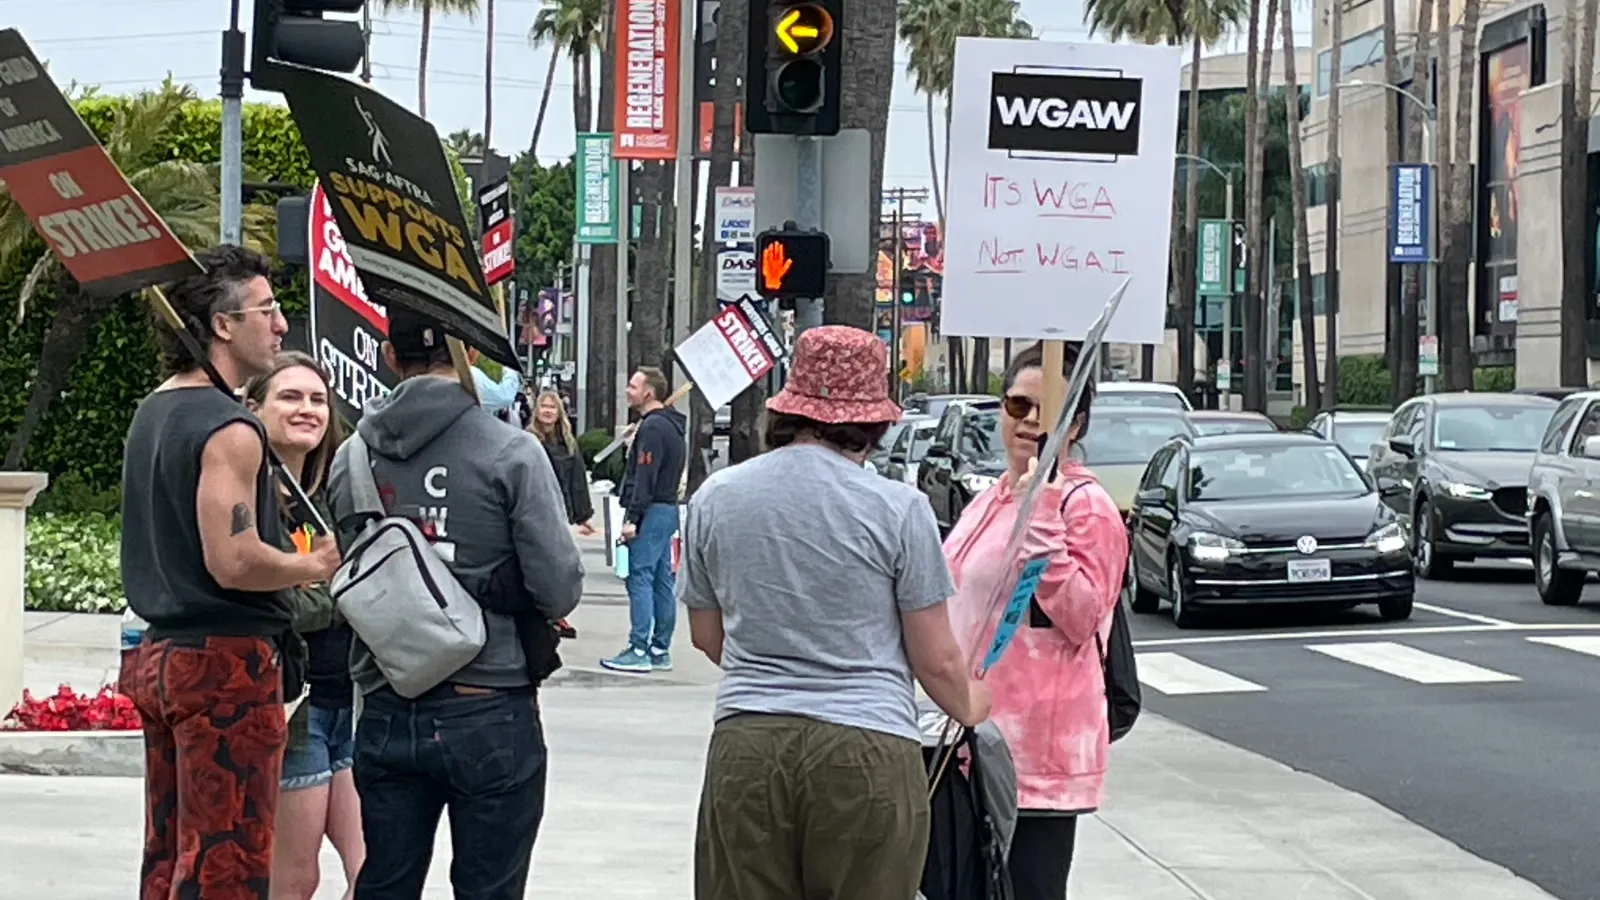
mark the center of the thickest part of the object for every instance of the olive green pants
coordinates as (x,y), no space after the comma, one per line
(797,809)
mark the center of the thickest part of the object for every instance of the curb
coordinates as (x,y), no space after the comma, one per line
(118,754)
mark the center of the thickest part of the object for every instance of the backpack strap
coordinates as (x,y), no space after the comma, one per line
(363,484)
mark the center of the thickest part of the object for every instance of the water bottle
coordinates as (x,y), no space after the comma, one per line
(132,630)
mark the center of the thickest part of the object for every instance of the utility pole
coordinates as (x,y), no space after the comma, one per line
(233,130)
(808,216)
(898,196)
(366,44)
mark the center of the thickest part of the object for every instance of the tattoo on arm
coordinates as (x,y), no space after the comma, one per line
(243,519)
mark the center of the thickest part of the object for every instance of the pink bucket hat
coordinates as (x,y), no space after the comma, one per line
(839,375)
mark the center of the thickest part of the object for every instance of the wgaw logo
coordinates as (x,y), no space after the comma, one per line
(1076,115)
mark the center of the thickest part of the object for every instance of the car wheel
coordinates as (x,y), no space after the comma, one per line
(1144,600)
(1182,614)
(1556,586)
(1426,558)
(1395,609)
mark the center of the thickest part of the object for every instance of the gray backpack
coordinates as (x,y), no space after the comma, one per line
(399,597)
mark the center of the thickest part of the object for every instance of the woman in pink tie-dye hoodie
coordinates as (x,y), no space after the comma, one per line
(1049,687)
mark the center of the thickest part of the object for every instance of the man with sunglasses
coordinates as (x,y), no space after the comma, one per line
(202,564)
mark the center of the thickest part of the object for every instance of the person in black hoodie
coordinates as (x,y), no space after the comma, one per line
(549,423)
(650,502)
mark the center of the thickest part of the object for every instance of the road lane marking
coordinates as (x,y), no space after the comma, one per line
(1176,675)
(1357,631)
(1577,643)
(1470,617)
(1410,663)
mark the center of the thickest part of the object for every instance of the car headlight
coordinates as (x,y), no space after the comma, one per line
(1390,538)
(978,483)
(1463,491)
(1205,547)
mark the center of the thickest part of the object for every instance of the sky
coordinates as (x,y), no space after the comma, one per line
(126,45)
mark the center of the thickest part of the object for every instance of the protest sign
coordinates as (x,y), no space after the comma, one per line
(396,205)
(1061,172)
(498,231)
(726,355)
(347,329)
(94,222)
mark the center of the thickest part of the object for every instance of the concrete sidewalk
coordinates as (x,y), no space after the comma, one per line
(1189,818)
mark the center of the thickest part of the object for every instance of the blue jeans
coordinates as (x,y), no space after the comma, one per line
(652,604)
(479,754)
(328,749)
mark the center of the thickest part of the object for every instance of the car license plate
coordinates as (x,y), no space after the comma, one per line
(1304,570)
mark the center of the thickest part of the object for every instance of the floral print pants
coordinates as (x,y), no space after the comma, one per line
(214,735)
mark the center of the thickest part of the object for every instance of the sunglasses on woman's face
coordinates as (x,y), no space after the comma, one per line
(1018,406)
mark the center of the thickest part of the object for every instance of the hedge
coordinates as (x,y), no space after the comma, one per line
(74,563)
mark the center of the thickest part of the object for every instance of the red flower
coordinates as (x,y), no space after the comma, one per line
(67,710)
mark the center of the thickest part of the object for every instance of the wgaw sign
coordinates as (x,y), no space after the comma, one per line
(1075,114)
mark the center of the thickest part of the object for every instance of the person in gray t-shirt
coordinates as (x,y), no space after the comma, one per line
(819,588)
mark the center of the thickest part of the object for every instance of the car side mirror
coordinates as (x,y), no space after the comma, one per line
(938,451)
(1591,447)
(1152,495)
(1402,444)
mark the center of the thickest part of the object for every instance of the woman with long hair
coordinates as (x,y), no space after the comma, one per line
(317,792)
(554,430)
(1049,687)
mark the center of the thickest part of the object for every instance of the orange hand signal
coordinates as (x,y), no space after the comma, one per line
(775,264)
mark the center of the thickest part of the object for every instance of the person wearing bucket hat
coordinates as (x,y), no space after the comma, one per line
(821,604)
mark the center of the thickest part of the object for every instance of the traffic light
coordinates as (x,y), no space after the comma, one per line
(793,79)
(791,264)
(294,31)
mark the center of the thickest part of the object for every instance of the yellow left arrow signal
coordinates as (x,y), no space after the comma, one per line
(788,30)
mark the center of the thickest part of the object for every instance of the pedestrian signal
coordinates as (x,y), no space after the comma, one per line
(791,264)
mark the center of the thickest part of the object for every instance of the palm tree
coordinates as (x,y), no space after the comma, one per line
(1202,24)
(1455,341)
(573,27)
(468,8)
(1330,267)
(1412,283)
(1391,75)
(1252,193)
(466,144)
(183,193)
(488,72)
(1577,84)
(1256,325)
(930,29)
(1302,244)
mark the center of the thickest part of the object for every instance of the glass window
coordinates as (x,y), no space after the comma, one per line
(1357,52)
(1357,438)
(1401,422)
(1588,428)
(1248,473)
(1158,466)
(1565,413)
(980,435)
(1518,429)
(902,441)
(1172,474)
(1115,440)
(947,428)
(921,437)
(1241,425)
(1142,399)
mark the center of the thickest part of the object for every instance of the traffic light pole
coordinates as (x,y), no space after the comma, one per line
(233,130)
(808,215)
(619,412)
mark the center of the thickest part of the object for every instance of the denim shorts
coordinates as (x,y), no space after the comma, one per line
(330,748)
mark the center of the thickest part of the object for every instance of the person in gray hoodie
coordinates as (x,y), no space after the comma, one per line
(484,494)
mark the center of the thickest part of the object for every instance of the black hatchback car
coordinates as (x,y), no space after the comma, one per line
(1455,467)
(1243,519)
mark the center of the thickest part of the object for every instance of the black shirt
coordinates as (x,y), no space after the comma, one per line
(163,563)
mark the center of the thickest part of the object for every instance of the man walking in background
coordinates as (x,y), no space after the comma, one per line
(650,521)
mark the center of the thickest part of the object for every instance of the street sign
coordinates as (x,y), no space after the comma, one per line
(1427,355)
(736,215)
(1410,187)
(597,190)
(1215,257)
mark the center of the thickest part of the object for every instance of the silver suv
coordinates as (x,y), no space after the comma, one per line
(1564,500)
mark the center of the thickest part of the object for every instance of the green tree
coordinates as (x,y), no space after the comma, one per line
(468,8)
(183,192)
(544,198)
(574,28)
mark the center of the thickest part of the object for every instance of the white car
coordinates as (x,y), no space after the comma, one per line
(1141,393)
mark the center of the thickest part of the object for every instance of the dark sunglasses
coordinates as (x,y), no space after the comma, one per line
(1018,407)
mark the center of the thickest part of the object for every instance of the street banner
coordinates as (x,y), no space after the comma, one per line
(736,274)
(347,329)
(598,219)
(725,356)
(1061,174)
(497,231)
(646,67)
(1427,355)
(396,205)
(1214,264)
(77,199)
(1410,188)
(735,215)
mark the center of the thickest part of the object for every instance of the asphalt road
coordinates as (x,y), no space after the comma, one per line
(1478,718)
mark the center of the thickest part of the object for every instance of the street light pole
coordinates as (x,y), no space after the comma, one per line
(1224,396)
(1430,121)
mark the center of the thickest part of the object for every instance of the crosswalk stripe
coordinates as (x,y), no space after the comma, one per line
(1577,643)
(1176,675)
(1410,663)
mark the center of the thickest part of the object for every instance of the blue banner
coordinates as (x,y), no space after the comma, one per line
(1410,213)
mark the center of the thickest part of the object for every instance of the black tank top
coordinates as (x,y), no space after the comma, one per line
(164,572)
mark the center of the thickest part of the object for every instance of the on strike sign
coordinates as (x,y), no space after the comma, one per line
(495,224)
(646,113)
(106,235)
(727,354)
(347,328)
